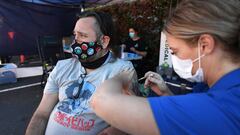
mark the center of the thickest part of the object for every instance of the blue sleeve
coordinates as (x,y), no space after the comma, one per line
(195,114)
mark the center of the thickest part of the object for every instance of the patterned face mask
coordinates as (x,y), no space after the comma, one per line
(85,49)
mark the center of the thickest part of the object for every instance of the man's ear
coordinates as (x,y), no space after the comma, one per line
(207,43)
(105,41)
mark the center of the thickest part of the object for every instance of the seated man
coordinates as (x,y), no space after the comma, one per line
(64,108)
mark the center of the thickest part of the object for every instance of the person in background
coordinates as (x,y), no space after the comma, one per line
(204,36)
(136,44)
(64,108)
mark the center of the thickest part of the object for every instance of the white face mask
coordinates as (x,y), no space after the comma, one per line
(184,68)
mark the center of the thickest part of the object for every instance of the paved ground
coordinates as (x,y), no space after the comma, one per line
(17,106)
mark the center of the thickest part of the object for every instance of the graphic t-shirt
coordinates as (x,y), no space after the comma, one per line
(73,114)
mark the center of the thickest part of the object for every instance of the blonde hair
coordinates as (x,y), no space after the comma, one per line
(219,18)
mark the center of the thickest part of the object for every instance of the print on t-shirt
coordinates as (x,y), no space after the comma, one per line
(75,106)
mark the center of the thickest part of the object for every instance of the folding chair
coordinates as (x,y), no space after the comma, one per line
(50,51)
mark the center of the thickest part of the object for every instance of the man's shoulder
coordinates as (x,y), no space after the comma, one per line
(117,65)
(120,62)
(66,62)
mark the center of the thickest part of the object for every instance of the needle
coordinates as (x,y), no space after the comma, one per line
(151,75)
(173,84)
(178,85)
(142,78)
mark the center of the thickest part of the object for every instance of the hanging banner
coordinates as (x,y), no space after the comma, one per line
(164,52)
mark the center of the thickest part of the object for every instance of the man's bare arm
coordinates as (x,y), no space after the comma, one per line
(40,118)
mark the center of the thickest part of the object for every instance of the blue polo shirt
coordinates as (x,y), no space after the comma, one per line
(215,112)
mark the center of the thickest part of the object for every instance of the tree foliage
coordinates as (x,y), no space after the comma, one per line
(147,15)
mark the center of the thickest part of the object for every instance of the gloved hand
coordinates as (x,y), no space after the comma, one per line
(156,83)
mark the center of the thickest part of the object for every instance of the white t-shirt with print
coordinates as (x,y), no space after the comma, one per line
(72,115)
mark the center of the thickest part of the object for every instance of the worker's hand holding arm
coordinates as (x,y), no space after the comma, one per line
(125,112)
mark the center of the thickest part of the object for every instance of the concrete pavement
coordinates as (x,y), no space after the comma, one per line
(18,105)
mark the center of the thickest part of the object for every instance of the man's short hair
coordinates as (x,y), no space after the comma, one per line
(104,26)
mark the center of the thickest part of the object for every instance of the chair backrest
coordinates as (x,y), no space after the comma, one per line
(50,49)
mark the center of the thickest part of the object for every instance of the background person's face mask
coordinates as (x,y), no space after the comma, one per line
(131,34)
(184,68)
(85,49)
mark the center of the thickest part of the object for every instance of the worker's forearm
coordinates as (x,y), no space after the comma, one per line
(109,103)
